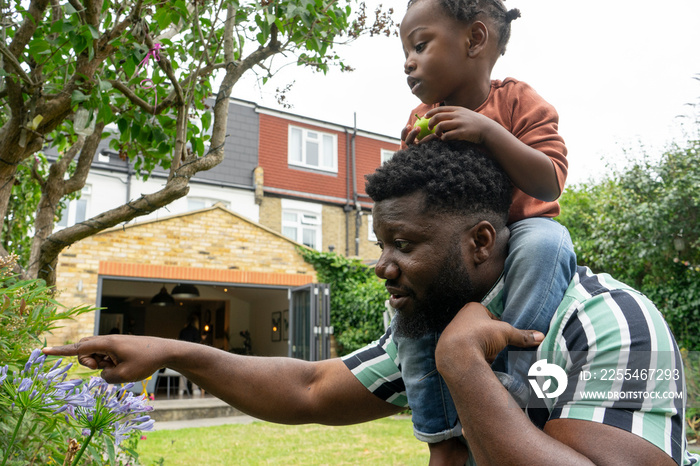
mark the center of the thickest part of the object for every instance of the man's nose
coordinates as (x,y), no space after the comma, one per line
(386,268)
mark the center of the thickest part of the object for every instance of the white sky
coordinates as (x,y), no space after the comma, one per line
(619,73)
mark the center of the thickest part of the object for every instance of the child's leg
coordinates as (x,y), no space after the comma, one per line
(540,264)
(433,412)
(448,452)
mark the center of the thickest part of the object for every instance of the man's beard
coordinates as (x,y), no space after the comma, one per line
(450,291)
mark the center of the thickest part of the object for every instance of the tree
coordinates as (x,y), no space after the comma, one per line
(642,225)
(72,69)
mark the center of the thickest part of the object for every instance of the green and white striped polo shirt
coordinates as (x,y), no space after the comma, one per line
(622,364)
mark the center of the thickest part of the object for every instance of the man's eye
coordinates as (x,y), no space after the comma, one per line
(400,244)
(420,47)
(380,245)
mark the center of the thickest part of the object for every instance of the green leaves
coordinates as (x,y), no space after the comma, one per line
(357,298)
(305,30)
(626,225)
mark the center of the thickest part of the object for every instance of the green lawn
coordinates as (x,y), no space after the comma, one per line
(384,442)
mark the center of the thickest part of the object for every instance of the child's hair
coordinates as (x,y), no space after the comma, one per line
(467,11)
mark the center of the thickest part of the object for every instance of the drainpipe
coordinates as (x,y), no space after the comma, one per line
(358,209)
(347,208)
(128,180)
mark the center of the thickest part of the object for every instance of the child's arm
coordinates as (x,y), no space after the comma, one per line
(528,168)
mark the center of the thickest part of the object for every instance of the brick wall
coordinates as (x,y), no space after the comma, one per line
(213,238)
(271,213)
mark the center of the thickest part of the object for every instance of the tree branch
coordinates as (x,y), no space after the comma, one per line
(166,66)
(25,32)
(120,27)
(87,155)
(12,60)
(55,243)
(92,12)
(170,98)
(35,173)
(131,95)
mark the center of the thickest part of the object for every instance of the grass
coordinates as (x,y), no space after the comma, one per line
(387,441)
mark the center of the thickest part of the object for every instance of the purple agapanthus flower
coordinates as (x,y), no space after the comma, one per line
(24,385)
(94,407)
(115,410)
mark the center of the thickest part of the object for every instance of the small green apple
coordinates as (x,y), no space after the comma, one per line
(422,124)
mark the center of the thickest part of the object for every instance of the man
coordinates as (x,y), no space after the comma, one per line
(440,218)
(189,332)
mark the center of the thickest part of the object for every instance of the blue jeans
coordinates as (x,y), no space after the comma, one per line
(540,264)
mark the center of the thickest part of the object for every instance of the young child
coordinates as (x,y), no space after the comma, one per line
(451,47)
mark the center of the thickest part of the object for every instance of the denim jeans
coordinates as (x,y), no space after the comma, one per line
(540,264)
(433,412)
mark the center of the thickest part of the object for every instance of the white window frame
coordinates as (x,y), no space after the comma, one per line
(309,217)
(370,229)
(323,139)
(385,155)
(69,213)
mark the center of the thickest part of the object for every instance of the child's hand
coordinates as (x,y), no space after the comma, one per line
(459,123)
(410,133)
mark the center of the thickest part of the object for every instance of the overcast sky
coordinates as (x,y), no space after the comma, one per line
(618,72)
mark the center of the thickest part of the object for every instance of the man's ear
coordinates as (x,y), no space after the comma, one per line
(477,38)
(482,238)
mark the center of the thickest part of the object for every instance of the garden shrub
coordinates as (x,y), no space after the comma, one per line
(44,418)
(357,298)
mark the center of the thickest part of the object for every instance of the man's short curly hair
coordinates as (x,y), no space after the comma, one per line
(457,177)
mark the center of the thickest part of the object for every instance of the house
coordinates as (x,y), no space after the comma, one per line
(286,181)
(296,175)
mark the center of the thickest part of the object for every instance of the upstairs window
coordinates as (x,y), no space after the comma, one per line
(386,155)
(313,149)
(76,210)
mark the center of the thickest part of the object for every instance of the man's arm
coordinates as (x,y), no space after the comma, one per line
(283,390)
(497,430)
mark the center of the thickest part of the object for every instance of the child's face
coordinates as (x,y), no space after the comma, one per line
(436,49)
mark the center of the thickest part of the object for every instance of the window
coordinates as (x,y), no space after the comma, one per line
(301,222)
(313,149)
(386,155)
(103,156)
(76,210)
(302,227)
(196,203)
(370,229)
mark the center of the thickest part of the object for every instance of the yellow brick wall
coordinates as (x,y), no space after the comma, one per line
(271,213)
(211,238)
(333,228)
